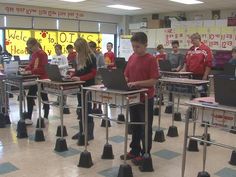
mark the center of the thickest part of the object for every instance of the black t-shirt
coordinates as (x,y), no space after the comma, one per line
(90,65)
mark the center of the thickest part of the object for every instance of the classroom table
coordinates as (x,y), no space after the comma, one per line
(207,103)
(176,86)
(124,99)
(20,82)
(179,74)
(59,89)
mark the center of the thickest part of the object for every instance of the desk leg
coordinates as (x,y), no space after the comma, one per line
(21,127)
(2,118)
(193,144)
(173,131)
(233,128)
(185,146)
(39,136)
(107,150)
(177,114)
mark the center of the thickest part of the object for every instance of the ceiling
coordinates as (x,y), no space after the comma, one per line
(148,6)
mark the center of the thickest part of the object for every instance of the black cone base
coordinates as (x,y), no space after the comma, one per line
(156,111)
(177,116)
(146,165)
(172,131)
(159,136)
(125,170)
(2,121)
(168,109)
(208,139)
(42,123)
(121,117)
(39,136)
(203,174)
(21,130)
(85,160)
(61,145)
(103,124)
(107,152)
(81,139)
(7,119)
(233,130)
(233,158)
(193,145)
(59,131)
(25,115)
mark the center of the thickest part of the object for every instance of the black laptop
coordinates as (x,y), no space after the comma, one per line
(114,79)
(225,88)
(229,69)
(165,65)
(55,75)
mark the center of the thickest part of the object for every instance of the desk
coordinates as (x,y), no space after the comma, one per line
(201,104)
(176,88)
(20,81)
(176,74)
(59,89)
(123,99)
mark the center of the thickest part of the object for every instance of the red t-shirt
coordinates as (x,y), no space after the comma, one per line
(37,64)
(71,56)
(197,59)
(161,56)
(141,68)
(109,57)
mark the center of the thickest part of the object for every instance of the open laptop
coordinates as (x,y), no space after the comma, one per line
(55,75)
(120,63)
(229,69)
(11,67)
(114,79)
(225,87)
(165,65)
(16,58)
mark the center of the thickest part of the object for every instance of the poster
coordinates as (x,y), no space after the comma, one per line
(95,37)
(66,38)
(125,47)
(16,41)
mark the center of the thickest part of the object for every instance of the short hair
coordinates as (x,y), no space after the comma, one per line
(92,44)
(31,41)
(175,42)
(160,46)
(234,49)
(0,48)
(139,37)
(110,44)
(196,36)
(69,47)
(58,46)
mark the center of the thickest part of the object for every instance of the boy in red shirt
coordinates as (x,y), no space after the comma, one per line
(36,66)
(109,56)
(142,71)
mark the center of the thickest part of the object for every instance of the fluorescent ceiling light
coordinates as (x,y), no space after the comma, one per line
(118,6)
(188,1)
(73,0)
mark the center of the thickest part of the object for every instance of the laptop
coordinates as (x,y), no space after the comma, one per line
(229,69)
(16,58)
(225,87)
(120,63)
(11,67)
(114,79)
(54,74)
(165,65)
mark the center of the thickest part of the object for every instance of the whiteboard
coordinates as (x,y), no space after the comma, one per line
(126,49)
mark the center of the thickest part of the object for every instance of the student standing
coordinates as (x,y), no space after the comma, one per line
(71,53)
(233,59)
(109,56)
(142,71)
(36,66)
(161,54)
(61,61)
(85,71)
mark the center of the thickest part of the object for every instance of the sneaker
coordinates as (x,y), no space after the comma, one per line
(137,160)
(28,122)
(45,120)
(129,156)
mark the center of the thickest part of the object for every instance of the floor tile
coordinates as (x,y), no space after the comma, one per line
(117,139)
(166,154)
(226,172)
(7,168)
(70,152)
(111,172)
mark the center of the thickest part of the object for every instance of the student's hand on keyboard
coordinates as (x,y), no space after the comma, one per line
(132,84)
(75,78)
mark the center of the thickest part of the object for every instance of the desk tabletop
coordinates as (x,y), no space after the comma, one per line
(48,81)
(21,77)
(176,73)
(209,103)
(101,88)
(183,81)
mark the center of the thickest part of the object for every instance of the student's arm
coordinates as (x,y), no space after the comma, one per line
(208,64)
(144,83)
(207,72)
